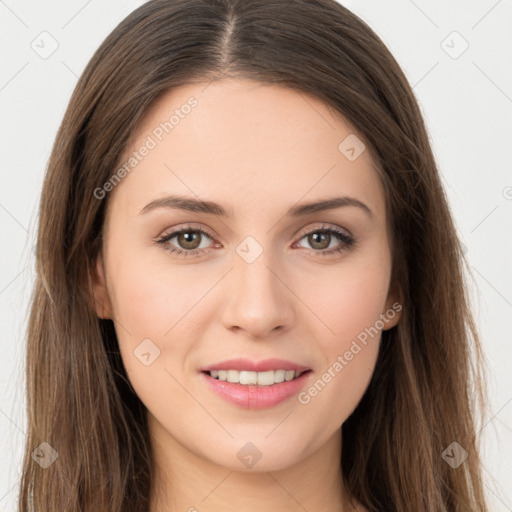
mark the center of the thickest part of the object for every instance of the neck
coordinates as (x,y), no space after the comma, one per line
(187,482)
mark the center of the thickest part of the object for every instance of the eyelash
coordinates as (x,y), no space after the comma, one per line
(347,240)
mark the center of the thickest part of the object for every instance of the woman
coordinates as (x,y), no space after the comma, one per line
(250,289)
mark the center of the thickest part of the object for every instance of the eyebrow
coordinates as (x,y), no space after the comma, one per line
(209,207)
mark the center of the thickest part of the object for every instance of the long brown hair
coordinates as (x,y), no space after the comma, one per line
(428,381)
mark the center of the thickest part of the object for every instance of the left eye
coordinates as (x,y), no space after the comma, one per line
(189,241)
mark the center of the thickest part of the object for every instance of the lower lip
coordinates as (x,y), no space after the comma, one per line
(256,397)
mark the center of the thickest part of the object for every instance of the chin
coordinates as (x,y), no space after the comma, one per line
(258,455)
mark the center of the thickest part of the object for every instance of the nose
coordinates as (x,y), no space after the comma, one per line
(259,301)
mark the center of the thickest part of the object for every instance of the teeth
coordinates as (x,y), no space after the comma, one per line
(246,377)
(279,375)
(255,378)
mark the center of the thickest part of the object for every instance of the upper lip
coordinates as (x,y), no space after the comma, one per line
(255,366)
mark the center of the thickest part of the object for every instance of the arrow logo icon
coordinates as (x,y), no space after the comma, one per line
(454,455)
(351,147)
(146,352)
(249,455)
(249,249)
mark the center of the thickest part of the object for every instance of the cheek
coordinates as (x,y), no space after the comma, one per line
(158,327)
(336,390)
(152,300)
(349,356)
(350,309)
(349,300)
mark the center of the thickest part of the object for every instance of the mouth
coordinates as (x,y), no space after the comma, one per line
(256,390)
(250,378)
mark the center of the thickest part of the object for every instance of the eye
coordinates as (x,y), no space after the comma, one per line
(189,240)
(321,238)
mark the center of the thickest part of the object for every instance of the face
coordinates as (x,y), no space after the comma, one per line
(189,289)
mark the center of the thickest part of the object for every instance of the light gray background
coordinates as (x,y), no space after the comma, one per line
(466,99)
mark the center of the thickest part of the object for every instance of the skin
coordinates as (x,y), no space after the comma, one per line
(257,149)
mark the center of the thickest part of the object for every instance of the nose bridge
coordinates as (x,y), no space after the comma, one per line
(258,300)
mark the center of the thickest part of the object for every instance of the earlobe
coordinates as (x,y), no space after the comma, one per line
(394,308)
(101,298)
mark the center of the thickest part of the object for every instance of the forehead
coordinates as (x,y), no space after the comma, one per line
(246,144)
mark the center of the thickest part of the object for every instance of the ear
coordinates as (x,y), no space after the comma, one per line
(394,306)
(101,298)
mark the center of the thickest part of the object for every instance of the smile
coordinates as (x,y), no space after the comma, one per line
(270,389)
